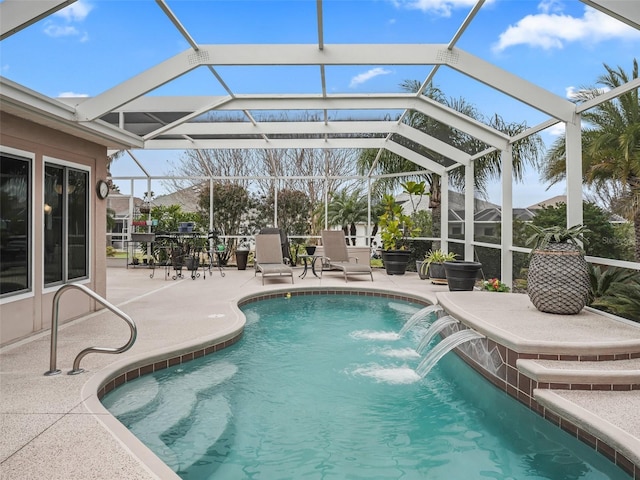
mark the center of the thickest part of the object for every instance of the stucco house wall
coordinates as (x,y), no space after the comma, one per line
(24,314)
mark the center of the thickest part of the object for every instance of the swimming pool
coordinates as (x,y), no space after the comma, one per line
(322,386)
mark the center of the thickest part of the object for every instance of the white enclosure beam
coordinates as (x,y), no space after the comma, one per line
(506,233)
(414,157)
(469,212)
(444,212)
(261,143)
(574,172)
(281,128)
(510,84)
(18,14)
(373,102)
(626,11)
(343,54)
(633,84)
(320,128)
(142,83)
(434,144)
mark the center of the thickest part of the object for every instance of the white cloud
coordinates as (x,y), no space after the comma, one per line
(555,130)
(574,93)
(553,30)
(76,12)
(56,31)
(547,6)
(72,95)
(439,7)
(368,75)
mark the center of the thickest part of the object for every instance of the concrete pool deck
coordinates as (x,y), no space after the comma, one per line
(55,428)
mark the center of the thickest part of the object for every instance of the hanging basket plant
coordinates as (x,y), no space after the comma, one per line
(145,207)
(558,277)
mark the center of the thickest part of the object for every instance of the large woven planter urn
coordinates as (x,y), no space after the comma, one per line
(558,279)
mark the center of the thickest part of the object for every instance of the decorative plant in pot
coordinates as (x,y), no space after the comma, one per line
(395,230)
(242,254)
(433,266)
(462,274)
(558,276)
(145,208)
(310,246)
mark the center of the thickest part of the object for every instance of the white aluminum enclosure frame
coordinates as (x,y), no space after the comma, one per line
(176,122)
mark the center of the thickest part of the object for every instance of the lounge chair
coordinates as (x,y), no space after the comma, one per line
(284,241)
(337,257)
(269,261)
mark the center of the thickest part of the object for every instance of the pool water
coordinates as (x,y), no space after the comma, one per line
(322,387)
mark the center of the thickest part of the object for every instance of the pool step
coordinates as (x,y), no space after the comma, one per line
(209,422)
(169,407)
(134,399)
(561,372)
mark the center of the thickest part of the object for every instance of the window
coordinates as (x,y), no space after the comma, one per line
(66,224)
(15,224)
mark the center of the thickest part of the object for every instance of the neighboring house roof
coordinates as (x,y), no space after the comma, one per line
(549,202)
(553,201)
(456,202)
(187,198)
(120,203)
(491,215)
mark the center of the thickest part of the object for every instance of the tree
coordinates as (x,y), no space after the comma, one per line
(293,214)
(610,145)
(169,218)
(600,240)
(347,209)
(524,152)
(231,204)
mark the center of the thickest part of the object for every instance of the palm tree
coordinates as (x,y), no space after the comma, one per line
(346,209)
(610,145)
(525,151)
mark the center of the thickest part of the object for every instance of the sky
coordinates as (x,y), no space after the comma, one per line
(93,45)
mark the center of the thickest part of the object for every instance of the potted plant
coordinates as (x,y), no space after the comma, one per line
(433,266)
(145,208)
(395,230)
(310,246)
(558,275)
(494,285)
(461,275)
(242,254)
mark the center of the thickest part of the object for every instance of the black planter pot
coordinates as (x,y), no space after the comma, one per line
(396,261)
(437,274)
(241,259)
(461,276)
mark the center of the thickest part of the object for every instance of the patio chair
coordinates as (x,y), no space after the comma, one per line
(269,260)
(337,256)
(284,241)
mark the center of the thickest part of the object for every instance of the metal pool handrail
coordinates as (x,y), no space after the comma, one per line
(54,330)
